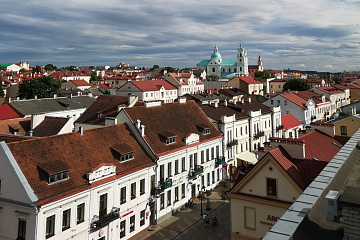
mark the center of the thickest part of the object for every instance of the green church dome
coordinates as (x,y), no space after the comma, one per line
(215,55)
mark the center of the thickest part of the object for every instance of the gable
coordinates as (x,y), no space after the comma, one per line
(255,183)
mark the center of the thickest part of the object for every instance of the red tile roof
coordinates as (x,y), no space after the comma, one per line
(320,146)
(289,121)
(153,85)
(249,80)
(20,124)
(177,118)
(7,112)
(330,90)
(81,154)
(81,83)
(292,97)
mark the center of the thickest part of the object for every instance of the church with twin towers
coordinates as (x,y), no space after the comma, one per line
(228,68)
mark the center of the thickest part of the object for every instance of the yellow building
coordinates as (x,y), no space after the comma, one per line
(346,127)
(276,181)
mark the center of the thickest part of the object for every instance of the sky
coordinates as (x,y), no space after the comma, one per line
(321,35)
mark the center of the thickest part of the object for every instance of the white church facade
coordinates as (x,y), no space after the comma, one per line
(225,68)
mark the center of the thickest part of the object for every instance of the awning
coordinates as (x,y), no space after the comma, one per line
(248,157)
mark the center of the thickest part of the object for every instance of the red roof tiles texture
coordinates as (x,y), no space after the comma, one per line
(289,121)
(7,112)
(153,85)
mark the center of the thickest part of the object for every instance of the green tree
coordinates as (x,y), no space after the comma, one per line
(94,78)
(261,76)
(154,67)
(212,77)
(168,69)
(50,67)
(337,80)
(44,87)
(36,69)
(1,89)
(23,70)
(296,85)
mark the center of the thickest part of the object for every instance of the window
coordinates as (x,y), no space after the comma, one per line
(133,190)
(122,229)
(241,132)
(202,156)
(58,177)
(195,159)
(169,198)
(176,194)
(21,229)
(343,130)
(213,176)
(142,218)
(162,201)
(217,151)
(272,101)
(80,213)
(212,153)
(132,223)
(278,102)
(202,180)
(183,190)
(285,102)
(206,131)
(66,219)
(271,187)
(169,170)
(218,174)
(123,195)
(103,205)
(183,164)
(213,69)
(207,155)
(170,140)
(162,174)
(176,166)
(208,179)
(191,161)
(126,156)
(50,226)
(142,186)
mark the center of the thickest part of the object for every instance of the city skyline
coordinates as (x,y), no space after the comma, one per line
(321,35)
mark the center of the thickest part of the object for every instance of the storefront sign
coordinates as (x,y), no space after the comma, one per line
(271,218)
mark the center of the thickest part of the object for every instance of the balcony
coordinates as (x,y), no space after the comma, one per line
(259,134)
(196,171)
(232,143)
(166,184)
(279,128)
(100,222)
(219,161)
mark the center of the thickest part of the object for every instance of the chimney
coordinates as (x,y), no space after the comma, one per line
(216,104)
(225,103)
(31,133)
(249,99)
(142,130)
(35,97)
(55,96)
(138,124)
(36,119)
(121,106)
(70,96)
(132,100)
(81,131)
(235,101)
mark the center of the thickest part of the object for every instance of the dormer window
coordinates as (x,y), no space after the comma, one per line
(58,177)
(204,129)
(54,171)
(123,151)
(170,140)
(126,156)
(167,137)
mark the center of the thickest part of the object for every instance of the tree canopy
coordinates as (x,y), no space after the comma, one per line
(296,85)
(1,89)
(261,76)
(212,77)
(50,67)
(43,87)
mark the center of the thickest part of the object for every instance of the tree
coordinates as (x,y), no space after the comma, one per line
(337,80)
(94,78)
(261,76)
(23,70)
(154,67)
(168,69)
(36,69)
(296,85)
(44,87)
(50,67)
(1,89)
(211,77)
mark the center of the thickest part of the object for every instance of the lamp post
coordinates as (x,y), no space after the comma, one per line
(201,210)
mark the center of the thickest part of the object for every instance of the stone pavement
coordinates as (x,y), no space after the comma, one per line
(189,220)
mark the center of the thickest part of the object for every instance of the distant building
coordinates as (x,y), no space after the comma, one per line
(224,68)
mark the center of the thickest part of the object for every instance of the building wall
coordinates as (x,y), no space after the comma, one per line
(351,123)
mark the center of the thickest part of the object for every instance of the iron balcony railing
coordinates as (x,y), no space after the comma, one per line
(219,161)
(166,184)
(232,143)
(259,134)
(100,222)
(196,171)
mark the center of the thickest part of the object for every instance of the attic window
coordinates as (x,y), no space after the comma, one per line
(167,137)
(58,177)
(170,140)
(124,150)
(54,171)
(204,129)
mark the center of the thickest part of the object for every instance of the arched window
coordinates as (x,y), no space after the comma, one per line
(213,70)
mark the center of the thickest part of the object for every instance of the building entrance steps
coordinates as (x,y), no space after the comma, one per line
(184,218)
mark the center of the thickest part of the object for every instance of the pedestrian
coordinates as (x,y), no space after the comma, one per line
(207,220)
(204,217)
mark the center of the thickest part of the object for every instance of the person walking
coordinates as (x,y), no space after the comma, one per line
(204,218)
(207,220)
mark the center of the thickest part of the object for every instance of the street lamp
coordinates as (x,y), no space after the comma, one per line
(201,210)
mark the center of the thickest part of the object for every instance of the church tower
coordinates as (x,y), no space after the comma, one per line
(242,61)
(260,65)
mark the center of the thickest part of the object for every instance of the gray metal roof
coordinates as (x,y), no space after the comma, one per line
(305,218)
(45,105)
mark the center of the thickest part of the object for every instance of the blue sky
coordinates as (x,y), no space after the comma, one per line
(322,35)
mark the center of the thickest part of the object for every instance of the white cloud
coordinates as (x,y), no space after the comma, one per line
(328,67)
(301,65)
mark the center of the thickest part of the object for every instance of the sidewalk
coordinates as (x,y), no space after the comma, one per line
(182,219)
